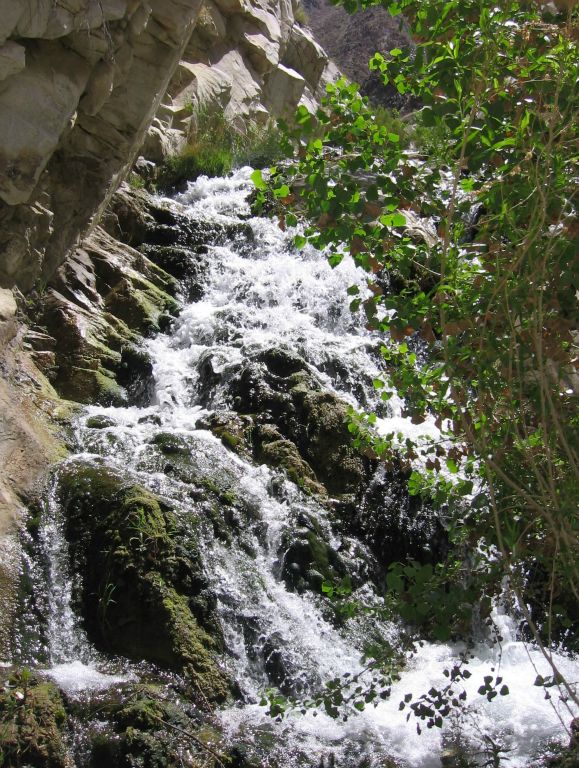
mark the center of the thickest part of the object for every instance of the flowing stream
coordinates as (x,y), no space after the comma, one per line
(261,293)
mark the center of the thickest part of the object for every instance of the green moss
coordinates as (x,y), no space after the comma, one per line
(100,421)
(143,586)
(284,454)
(170,444)
(89,385)
(32,718)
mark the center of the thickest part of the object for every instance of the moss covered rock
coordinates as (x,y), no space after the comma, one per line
(279,386)
(143,594)
(147,726)
(32,720)
(307,558)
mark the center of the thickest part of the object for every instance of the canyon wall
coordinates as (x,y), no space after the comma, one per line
(82,80)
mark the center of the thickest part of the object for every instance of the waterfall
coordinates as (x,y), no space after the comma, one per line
(260,293)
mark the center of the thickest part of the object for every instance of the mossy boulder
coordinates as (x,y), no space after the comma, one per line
(143,593)
(100,421)
(307,559)
(170,444)
(147,726)
(276,451)
(280,387)
(233,430)
(32,722)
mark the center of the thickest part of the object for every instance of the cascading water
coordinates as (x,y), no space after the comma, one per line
(260,293)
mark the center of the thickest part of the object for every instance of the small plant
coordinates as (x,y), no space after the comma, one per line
(135,181)
(216,146)
(301,16)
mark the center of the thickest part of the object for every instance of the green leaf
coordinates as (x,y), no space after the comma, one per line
(300,241)
(257,179)
(452,466)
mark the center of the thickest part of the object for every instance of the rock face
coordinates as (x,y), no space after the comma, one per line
(74,114)
(352,39)
(81,80)
(143,592)
(28,445)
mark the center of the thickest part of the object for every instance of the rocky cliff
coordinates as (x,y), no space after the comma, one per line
(81,81)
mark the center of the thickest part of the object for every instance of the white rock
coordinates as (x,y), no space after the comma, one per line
(283,90)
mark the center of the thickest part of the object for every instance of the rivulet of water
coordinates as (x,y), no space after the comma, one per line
(259,293)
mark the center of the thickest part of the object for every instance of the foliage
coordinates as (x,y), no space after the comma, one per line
(216,146)
(301,15)
(470,255)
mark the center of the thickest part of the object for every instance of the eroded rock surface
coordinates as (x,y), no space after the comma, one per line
(81,81)
(74,115)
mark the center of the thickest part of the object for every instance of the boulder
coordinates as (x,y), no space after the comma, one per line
(12,59)
(304,55)
(279,386)
(32,721)
(283,90)
(143,591)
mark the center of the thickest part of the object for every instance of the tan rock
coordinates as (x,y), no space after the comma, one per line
(283,90)
(230,7)
(305,55)
(34,18)
(211,24)
(36,106)
(9,15)
(99,88)
(7,305)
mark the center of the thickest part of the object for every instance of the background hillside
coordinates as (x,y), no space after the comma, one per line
(352,40)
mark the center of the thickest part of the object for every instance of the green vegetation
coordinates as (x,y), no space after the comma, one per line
(32,719)
(301,16)
(477,308)
(217,146)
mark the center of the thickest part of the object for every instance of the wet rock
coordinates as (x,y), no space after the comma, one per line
(395,525)
(143,591)
(100,421)
(32,722)
(189,266)
(170,444)
(307,558)
(279,386)
(233,430)
(149,726)
(135,374)
(102,300)
(276,451)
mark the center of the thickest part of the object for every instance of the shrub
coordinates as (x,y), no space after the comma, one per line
(217,146)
